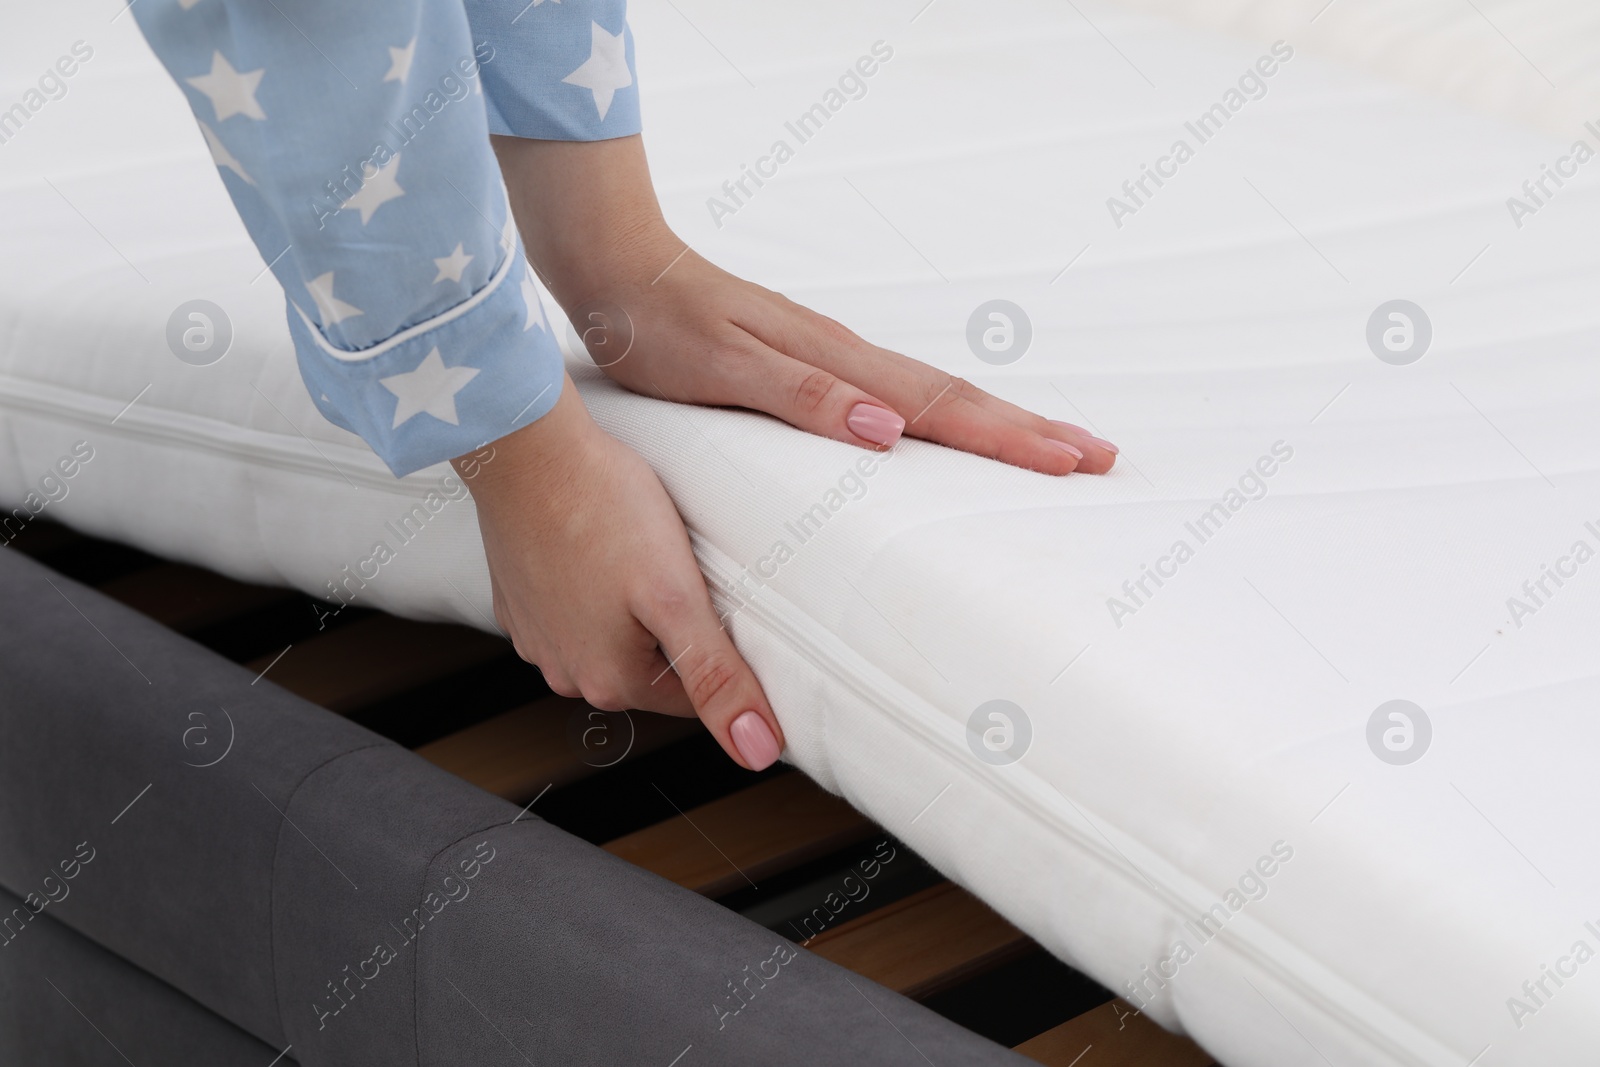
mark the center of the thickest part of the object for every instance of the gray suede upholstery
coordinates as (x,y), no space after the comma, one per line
(319,886)
(65,1000)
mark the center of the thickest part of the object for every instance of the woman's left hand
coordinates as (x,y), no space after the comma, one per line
(663,321)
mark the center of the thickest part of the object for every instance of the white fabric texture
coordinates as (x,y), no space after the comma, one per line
(1530,61)
(1222,325)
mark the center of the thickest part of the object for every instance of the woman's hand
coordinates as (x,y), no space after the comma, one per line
(592,573)
(695,333)
(595,583)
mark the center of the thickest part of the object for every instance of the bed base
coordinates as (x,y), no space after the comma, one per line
(660,796)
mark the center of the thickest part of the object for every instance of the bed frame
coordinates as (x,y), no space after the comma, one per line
(652,790)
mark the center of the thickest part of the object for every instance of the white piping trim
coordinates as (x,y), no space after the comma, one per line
(364,354)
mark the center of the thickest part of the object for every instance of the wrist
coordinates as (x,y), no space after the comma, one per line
(588,215)
(540,461)
(607,263)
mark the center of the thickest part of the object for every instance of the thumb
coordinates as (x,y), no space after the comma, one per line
(720,685)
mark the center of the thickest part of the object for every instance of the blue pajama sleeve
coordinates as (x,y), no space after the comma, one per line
(563,69)
(353,139)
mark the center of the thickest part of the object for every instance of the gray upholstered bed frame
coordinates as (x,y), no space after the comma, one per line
(320,890)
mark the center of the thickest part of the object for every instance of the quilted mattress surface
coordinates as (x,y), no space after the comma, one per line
(1150,717)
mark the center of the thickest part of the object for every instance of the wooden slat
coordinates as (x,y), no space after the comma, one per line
(744,837)
(925,943)
(518,754)
(187,598)
(376,658)
(1113,1036)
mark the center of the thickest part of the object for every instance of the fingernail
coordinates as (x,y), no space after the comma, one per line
(1081,432)
(876,424)
(753,738)
(1065,447)
(1071,426)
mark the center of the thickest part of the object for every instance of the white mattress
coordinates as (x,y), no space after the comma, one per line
(1169,754)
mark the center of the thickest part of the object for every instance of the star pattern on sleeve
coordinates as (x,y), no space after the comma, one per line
(430,389)
(220,154)
(606,69)
(400,62)
(377,189)
(330,309)
(451,266)
(530,297)
(231,92)
(388,349)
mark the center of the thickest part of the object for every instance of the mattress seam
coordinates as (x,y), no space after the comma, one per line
(1168,897)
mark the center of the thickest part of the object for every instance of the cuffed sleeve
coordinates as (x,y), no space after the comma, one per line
(563,71)
(353,139)
(445,386)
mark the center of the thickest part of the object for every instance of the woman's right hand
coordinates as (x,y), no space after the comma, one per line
(595,583)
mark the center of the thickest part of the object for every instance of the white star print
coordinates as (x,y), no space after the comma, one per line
(231,92)
(221,156)
(187,4)
(606,69)
(508,233)
(530,297)
(508,229)
(451,266)
(400,62)
(329,307)
(377,189)
(431,388)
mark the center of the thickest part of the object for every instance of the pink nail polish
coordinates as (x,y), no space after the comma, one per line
(1065,447)
(753,738)
(876,424)
(1081,432)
